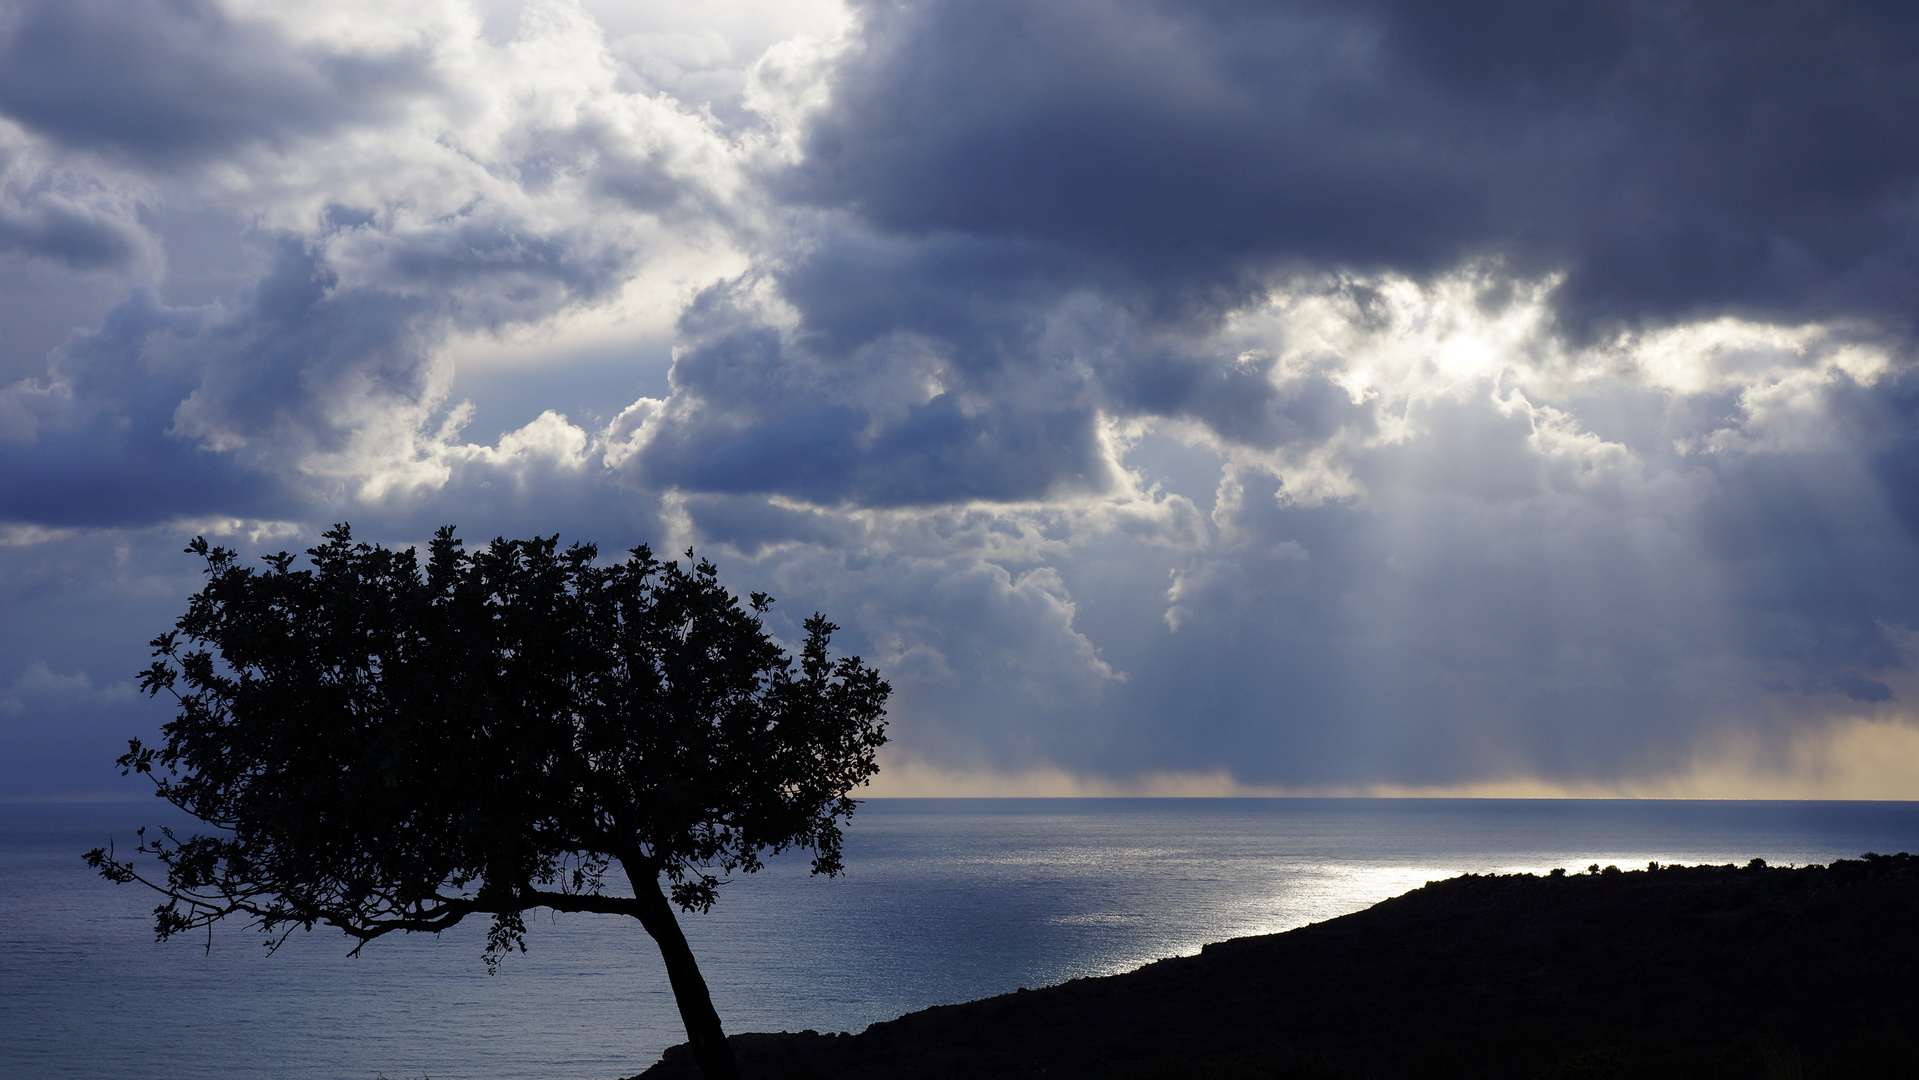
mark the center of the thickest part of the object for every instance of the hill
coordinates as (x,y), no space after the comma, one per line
(1699,971)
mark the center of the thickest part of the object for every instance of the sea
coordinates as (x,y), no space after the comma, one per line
(942,900)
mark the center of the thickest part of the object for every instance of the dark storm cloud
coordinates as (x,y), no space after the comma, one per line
(997,308)
(1097,184)
(170,82)
(986,297)
(807,442)
(1670,159)
(766,413)
(946,370)
(82,235)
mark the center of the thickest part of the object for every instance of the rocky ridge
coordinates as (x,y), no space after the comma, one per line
(1696,971)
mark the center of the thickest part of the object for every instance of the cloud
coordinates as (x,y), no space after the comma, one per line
(39,687)
(1300,397)
(407,181)
(1064,208)
(170,83)
(759,414)
(1460,545)
(1671,162)
(991,666)
(85,220)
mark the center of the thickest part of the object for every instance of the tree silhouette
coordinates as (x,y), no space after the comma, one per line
(383,747)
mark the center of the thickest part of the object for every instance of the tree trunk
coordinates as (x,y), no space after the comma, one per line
(702,1021)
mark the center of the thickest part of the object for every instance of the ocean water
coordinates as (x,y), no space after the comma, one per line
(942,901)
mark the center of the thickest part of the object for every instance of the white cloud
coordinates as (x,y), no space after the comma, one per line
(38,689)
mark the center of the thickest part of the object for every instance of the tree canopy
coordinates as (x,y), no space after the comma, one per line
(388,744)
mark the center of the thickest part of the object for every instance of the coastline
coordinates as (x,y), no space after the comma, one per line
(1694,971)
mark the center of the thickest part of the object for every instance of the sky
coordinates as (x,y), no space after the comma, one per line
(1477,398)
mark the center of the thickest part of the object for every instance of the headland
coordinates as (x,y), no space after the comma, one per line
(1682,971)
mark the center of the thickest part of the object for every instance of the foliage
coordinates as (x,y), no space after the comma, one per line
(384,745)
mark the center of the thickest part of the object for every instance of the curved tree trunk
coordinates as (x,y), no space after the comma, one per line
(702,1021)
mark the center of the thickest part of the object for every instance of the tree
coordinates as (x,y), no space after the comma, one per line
(384,747)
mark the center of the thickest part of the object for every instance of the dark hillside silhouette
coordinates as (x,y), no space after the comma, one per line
(1695,972)
(384,747)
